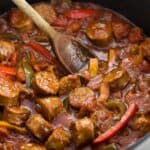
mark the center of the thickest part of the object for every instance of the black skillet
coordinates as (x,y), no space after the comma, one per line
(138,11)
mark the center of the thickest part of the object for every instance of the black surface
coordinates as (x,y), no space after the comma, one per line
(138,11)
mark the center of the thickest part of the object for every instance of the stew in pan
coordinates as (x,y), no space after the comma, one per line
(105,106)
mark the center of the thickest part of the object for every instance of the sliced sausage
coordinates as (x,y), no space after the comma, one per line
(100,32)
(145,46)
(83,131)
(59,139)
(136,35)
(120,29)
(20,21)
(46,11)
(50,107)
(16,115)
(39,126)
(6,49)
(45,83)
(81,96)
(9,92)
(67,84)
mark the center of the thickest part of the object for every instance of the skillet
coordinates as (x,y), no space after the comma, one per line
(138,12)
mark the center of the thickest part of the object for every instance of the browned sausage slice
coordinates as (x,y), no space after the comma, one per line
(45,83)
(81,96)
(100,32)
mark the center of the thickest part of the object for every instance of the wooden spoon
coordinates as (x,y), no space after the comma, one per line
(69,51)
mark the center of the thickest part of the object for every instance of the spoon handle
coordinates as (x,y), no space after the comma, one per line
(36,18)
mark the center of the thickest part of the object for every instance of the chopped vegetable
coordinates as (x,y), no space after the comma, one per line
(8,70)
(117,78)
(113,130)
(93,67)
(12,127)
(28,70)
(9,36)
(42,50)
(112,59)
(7,48)
(104,92)
(39,38)
(81,13)
(110,147)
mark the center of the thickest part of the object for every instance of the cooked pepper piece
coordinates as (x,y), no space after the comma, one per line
(66,84)
(20,21)
(27,70)
(112,58)
(39,126)
(80,13)
(8,70)
(43,51)
(93,67)
(32,146)
(12,127)
(104,92)
(117,105)
(83,131)
(59,139)
(45,83)
(100,32)
(117,78)
(113,130)
(6,49)
(50,107)
(8,36)
(9,92)
(16,115)
(110,147)
(81,96)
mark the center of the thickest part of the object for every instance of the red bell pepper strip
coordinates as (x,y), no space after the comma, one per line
(42,50)
(80,13)
(8,70)
(112,131)
(61,22)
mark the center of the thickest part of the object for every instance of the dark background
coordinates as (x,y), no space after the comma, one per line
(137,11)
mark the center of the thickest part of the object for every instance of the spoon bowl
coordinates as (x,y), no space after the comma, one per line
(68,50)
